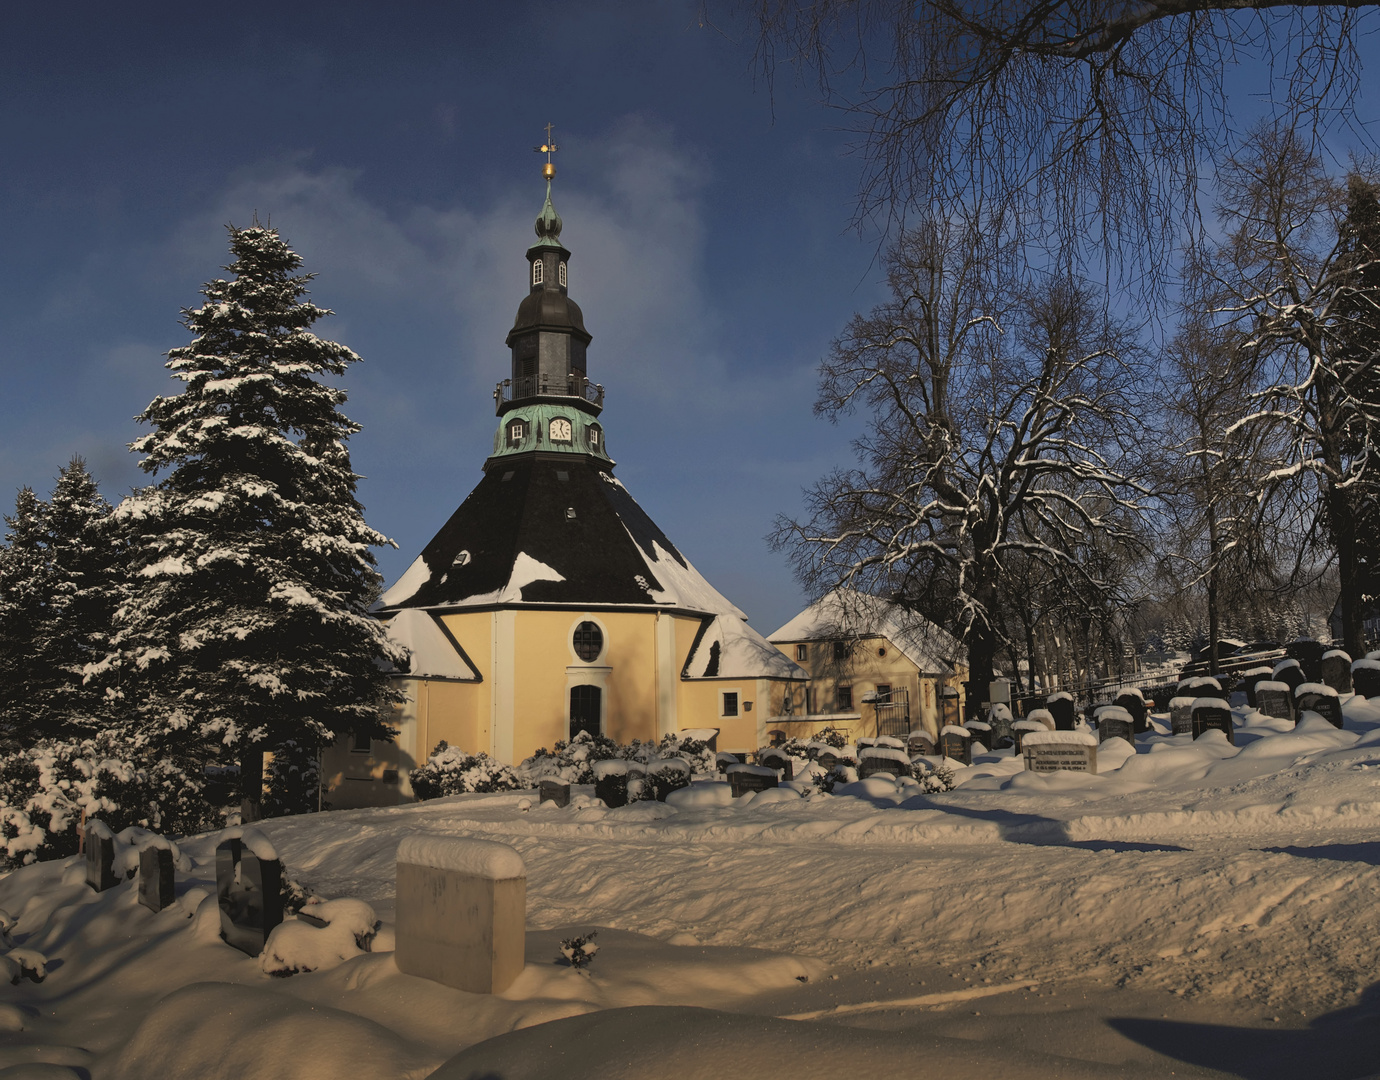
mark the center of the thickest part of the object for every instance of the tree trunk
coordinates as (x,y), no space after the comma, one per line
(1343,523)
(1214,627)
(251,784)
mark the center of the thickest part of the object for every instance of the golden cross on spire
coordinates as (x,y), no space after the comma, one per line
(548,148)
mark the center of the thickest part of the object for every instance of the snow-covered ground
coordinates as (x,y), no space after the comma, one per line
(1193,907)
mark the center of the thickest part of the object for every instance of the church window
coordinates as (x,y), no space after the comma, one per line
(536,271)
(560,274)
(588,641)
(585,707)
(730,703)
(841,650)
(560,430)
(883,694)
(802,652)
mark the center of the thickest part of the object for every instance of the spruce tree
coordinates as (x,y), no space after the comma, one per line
(25,591)
(247,620)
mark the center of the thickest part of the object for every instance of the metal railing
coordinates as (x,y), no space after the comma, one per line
(576,386)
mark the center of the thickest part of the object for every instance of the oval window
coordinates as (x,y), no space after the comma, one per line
(589,641)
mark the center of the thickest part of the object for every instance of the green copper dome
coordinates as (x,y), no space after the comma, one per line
(552,428)
(548,224)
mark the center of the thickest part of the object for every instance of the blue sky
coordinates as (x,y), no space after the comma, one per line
(392,145)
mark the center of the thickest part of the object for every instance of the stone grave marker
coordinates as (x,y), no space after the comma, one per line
(1133,701)
(1289,672)
(888,759)
(948,706)
(828,759)
(1181,715)
(1021,728)
(612,780)
(1212,713)
(1248,683)
(1001,721)
(745,778)
(1275,699)
(1042,716)
(1336,670)
(1059,751)
(1060,706)
(954,743)
(1114,722)
(779,760)
(249,885)
(554,791)
(461,912)
(1365,678)
(100,856)
(922,742)
(982,734)
(1308,653)
(156,877)
(1321,699)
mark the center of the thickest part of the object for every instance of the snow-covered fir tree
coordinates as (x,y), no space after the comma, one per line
(247,625)
(25,589)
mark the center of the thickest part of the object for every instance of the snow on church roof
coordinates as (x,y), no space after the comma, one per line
(845,613)
(432,651)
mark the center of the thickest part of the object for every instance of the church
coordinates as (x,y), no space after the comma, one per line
(550,603)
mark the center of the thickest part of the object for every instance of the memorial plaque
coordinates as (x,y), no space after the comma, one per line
(1181,715)
(554,791)
(1275,699)
(1114,722)
(1365,678)
(250,892)
(745,778)
(1212,714)
(1310,698)
(100,856)
(1043,754)
(1061,708)
(1336,670)
(953,743)
(1133,701)
(156,878)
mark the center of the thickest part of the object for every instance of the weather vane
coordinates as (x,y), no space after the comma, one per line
(548,148)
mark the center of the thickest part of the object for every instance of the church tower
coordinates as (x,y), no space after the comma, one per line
(550,602)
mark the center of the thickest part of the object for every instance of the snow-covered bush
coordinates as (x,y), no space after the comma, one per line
(933,778)
(578,951)
(451,771)
(45,789)
(573,762)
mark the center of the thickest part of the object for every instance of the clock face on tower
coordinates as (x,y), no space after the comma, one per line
(560,430)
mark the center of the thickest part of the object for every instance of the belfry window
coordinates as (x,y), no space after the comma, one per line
(517,431)
(537,268)
(560,274)
(595,435)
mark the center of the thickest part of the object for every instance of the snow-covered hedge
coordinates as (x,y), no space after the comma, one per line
(45,789)
(573,762)
(451,771)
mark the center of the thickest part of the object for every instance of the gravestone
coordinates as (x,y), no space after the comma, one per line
(461,912)
(919,742)
(1336,670)
(776,759)
(1248,682)
(723,759)
(1275,699)
(883,759)
(1001,721)
(1133,701)
(1114,722)
(554,791)
(1321,699)
(1290,673)
(249,886)
(1365,678)
(1199,686)
(1181,715)
(1309,654)
(156,878)
(613,781)
(954,743)
(1021,728)
(948,706)
(1059,751)
(828,759)
(100,856)
(745,778)
(1043,717)
(982,733)
(1060,706)
(1212,714)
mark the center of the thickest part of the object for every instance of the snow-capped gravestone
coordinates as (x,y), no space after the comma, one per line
(745,778)
(1114,722)
(1249,681)
(1060,751)
(1043,717)
(1001,720)
(954,743)
(156,876)
(612,779)
(1021,728)
(982,733)
(1365,678)
(100,856)
(1274,699)
(1181,715)
(1336,670)
(1321,699)
(1060,706)
(1212,714)
(920,743)
(461,912)
(249,885)
(1133,701)
(1309,653)
(887,759)
(778,760)
(1290,673)
(554,791)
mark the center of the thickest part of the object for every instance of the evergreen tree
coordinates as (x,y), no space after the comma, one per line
(247,621)
(25,589)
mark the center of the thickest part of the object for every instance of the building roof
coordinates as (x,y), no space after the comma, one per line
(846,613)
(432,652)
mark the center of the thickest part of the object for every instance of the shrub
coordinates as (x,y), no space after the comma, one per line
(573,762)
(578,951)
(451,771)
(935,778)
